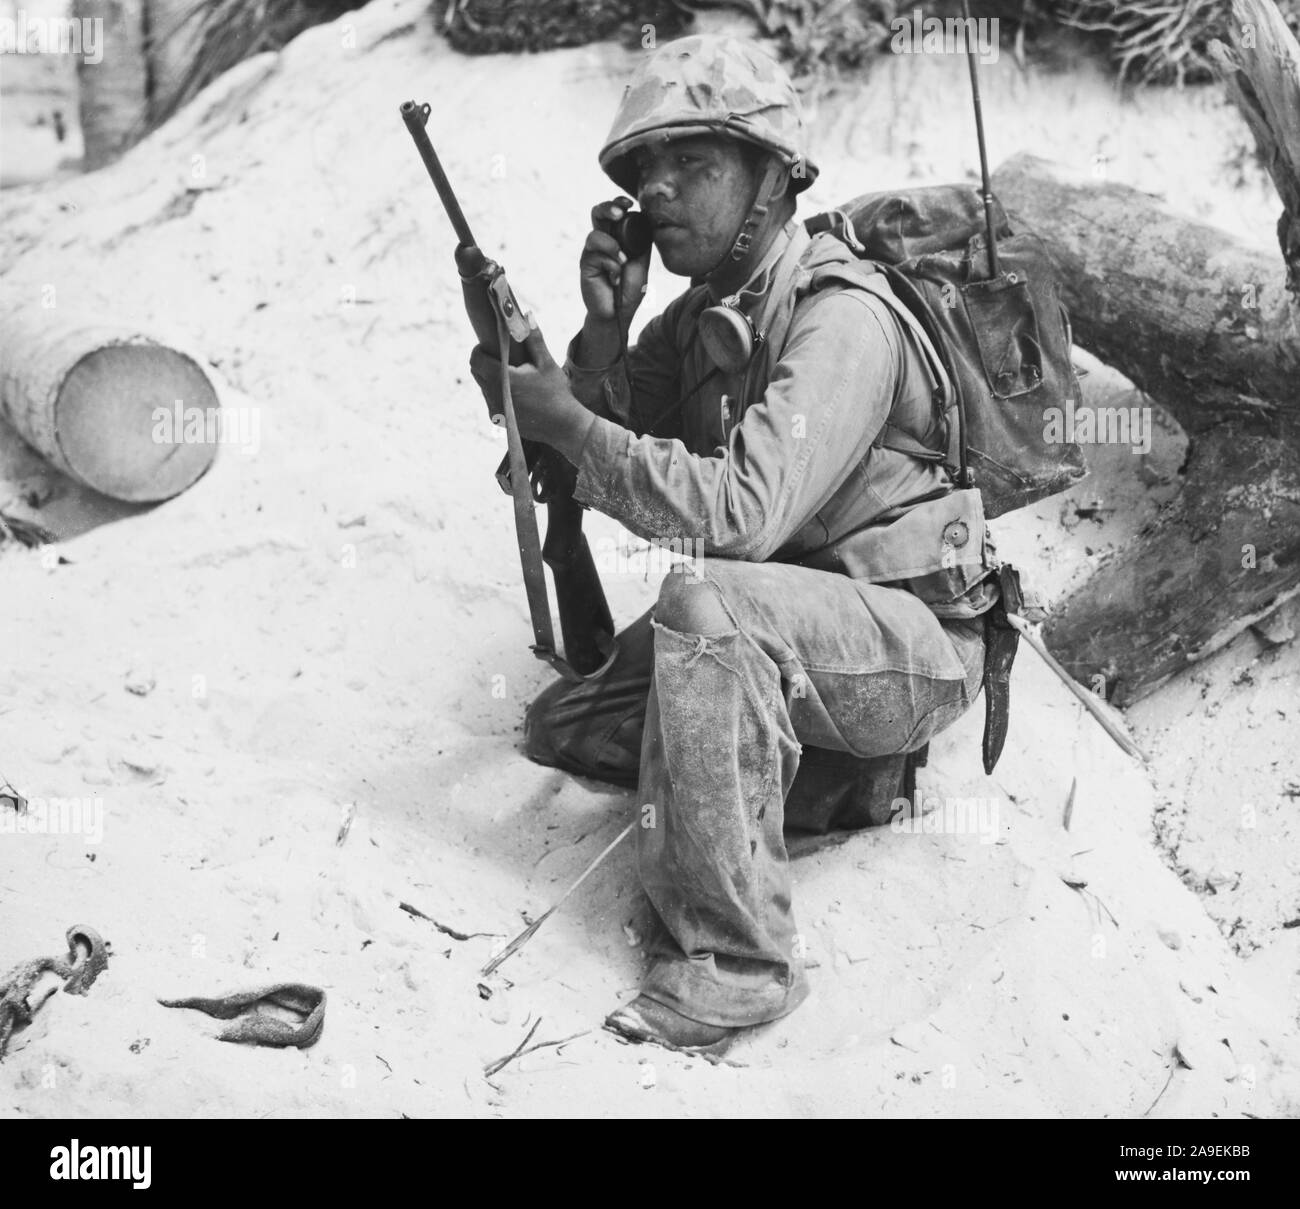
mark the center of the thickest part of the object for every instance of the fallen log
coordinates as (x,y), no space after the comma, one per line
(107,404)
(1163,300)
(1204,324)
(1222,555)
(1196,318)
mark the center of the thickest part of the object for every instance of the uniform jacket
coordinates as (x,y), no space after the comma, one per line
(783,462)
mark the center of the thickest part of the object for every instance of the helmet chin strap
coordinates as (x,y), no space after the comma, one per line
(743,243)
(764,267)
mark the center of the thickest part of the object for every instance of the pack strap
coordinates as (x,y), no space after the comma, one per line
(875,282)
(837,222)
(951,397)
(893,437)
(792,282)
(777,310)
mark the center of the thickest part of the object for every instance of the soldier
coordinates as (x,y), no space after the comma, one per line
(828,630)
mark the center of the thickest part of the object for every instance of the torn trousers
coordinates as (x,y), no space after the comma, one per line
(753,697)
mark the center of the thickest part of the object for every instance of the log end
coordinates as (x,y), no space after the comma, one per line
(137,421)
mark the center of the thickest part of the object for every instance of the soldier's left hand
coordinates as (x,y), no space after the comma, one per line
(545,408)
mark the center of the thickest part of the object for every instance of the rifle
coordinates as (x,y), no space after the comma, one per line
(530,473)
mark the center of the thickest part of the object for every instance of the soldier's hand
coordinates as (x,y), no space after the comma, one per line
(544,406)
(605,268)
(485,368)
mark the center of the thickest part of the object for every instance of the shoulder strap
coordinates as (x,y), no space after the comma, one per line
(793,281)
(778,307)
(875,282)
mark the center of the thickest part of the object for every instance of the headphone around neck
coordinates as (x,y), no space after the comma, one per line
(726,331)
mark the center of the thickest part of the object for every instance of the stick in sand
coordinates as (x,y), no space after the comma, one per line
(527,934)
(1086,699)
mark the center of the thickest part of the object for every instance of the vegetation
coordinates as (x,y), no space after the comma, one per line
(1159,41)
(492,26)
(1147,41)
(182,45)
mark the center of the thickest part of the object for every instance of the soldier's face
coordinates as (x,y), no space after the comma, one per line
(697,192)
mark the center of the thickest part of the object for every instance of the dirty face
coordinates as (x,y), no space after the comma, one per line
(697,192)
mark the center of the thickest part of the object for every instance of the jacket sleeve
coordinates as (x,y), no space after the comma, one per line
(828,398)
(655,365)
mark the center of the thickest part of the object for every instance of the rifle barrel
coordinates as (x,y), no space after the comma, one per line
(415,116)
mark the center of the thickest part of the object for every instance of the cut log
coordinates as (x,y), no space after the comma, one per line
(110,406)
(1199,320)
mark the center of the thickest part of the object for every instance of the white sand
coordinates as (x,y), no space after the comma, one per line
(338,618)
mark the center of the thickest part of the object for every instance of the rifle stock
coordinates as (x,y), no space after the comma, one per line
(586,626)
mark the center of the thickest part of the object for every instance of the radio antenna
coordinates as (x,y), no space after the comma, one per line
(967,26)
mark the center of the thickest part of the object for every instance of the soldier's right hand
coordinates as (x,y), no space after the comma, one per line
(605,268)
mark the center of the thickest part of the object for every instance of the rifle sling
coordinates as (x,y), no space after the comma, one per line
(530,546)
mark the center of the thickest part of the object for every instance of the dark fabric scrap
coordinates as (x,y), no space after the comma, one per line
(261,1028)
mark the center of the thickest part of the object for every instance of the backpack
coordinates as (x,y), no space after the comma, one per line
(999,348)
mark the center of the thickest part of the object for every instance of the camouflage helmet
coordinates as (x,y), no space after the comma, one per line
(708,84)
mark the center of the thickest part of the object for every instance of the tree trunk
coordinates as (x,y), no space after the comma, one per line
(1262,74)
(175,39)
(113,93)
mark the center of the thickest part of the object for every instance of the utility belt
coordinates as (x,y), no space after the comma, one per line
(939,550)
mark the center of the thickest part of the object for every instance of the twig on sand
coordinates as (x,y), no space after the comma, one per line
(349,813)
(1109,916)
(523,1048)
(1104,715)
(10,797)
(1173,1066)
(529,932)
(443,928)
(501,1063)
(1081,888)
